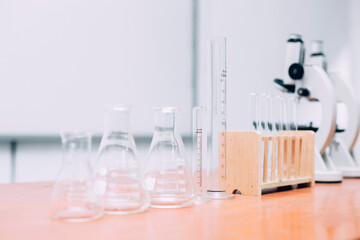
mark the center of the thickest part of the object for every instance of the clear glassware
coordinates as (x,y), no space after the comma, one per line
(254,108)
(272,134)
(263,121)
(270,114)
(198,163)
(167,172)
(279,114)
(216,128)
(73,196)
(118,174)
(290,103)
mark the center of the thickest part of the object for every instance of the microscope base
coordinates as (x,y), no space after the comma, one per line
(324,169)
(328,177)
(350,172)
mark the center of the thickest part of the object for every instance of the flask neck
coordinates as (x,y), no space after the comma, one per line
(117,120)
(167,127)
(166,123)
(76,149)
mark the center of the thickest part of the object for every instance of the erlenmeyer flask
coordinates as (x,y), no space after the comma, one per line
(168,172)
(73,197)
(118,175)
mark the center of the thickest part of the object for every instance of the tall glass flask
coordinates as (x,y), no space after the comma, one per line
(118,175)
(168,172)
(73,196)
(217,118)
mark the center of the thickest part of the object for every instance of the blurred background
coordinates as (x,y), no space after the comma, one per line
(62,61)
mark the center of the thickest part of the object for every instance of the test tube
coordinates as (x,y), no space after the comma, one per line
(279,114)
(279,127)
(263,114)
(291,113)
(199,169)
(272,134)
(270,114)
(217,118)
(254,119)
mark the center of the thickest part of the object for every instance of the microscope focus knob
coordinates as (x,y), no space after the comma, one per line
(304,92)
(296,71)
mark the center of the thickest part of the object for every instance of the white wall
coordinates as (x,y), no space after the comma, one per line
(5,163)
(256,34)
(61,61)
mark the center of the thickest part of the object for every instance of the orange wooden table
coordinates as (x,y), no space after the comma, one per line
(327,211)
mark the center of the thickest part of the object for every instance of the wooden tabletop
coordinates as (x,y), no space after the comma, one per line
(327,211)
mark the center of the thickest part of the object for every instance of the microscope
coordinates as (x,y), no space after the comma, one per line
(311,82)
(340,149)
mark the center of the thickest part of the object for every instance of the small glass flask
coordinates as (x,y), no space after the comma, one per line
(168,173)
(73,196)
(118,175)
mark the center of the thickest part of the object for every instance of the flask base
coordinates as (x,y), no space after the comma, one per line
(170,203)
(125,211)
(74,215)
(201,198)
(219,195)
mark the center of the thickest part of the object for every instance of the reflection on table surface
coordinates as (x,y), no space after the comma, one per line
(327,211)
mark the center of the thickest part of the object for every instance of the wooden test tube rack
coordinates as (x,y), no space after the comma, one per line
(255,162)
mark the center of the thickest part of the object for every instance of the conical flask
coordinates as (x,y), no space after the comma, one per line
(118,175)
(168,173)
(73,197)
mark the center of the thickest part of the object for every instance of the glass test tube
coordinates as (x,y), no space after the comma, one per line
(291,113)
(263,114)
(254,119)
(270,114)
(279,113)
(272,144)
(217,118)
(278,130)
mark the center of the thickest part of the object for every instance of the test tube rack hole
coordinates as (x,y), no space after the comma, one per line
(255,163)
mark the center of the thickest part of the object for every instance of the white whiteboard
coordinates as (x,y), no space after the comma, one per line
(61,61)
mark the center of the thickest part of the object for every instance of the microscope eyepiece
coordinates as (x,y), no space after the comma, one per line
(316,48)
(293,37)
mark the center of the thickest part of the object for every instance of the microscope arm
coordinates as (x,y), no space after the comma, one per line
(320,88)
(346,94)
